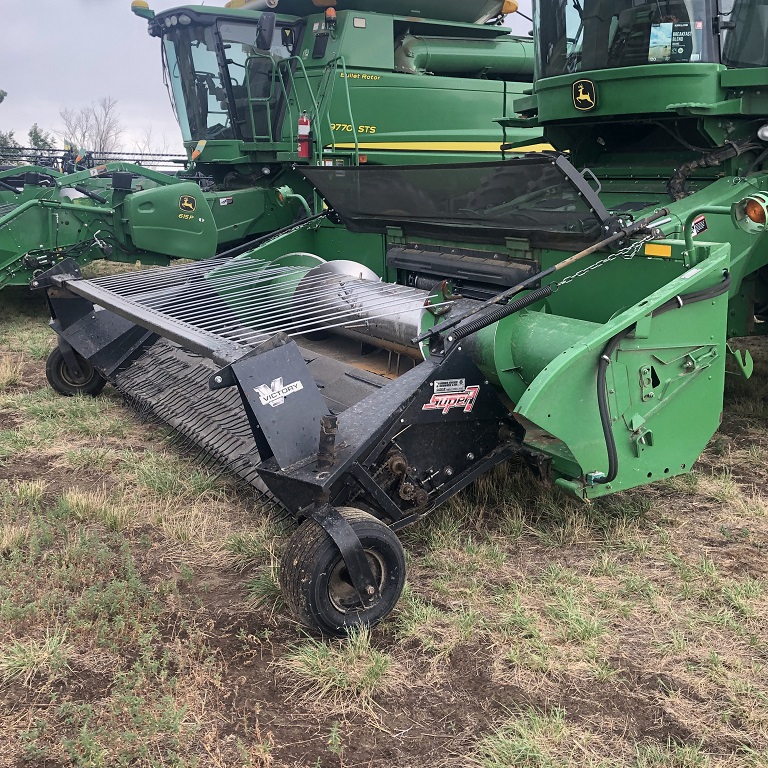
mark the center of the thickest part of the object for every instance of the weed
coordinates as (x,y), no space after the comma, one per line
(46,658)
(671,755)
(529,739)
(345,672)
(11,369)
(264,590)
(573,622)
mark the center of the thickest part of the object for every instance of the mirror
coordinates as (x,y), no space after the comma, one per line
(266,31)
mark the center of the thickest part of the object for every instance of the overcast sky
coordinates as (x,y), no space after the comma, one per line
(57,54)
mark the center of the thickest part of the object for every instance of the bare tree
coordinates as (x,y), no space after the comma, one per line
(3,94)
(148,143)
(95,127)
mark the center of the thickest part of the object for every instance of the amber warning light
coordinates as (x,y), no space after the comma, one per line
(751,213)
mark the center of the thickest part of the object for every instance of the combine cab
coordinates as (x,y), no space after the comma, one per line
(571,311)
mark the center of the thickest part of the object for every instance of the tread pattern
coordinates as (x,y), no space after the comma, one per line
(310,545)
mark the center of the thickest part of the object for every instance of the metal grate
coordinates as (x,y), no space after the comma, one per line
(241,302)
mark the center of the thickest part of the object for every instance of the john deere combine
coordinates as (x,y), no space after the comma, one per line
(257,92)
(571,310)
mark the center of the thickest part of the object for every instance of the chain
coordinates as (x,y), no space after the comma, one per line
(625,253)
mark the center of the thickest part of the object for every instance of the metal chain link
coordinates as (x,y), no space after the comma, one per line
(627,253)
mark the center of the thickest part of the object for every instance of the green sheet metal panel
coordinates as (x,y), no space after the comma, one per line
(174,221)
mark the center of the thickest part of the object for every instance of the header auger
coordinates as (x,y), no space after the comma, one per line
(571,310)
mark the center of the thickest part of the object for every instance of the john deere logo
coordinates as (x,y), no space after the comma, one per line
(187,203)
(584,95)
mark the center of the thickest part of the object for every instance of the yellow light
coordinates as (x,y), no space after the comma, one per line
(510,6)
(141,9)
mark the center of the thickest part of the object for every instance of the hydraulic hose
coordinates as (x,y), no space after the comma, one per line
(605,360)
(676,185)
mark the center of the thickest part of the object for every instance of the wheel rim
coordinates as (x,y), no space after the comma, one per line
(342,594)
(76,381)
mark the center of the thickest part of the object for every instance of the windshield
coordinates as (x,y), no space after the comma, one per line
(531,197)
(583,35)
(241,98)
(199,94)
(745,38)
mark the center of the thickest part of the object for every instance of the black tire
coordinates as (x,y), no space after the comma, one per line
(60,378)
(312,575)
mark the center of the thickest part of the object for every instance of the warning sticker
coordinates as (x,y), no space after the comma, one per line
(699,225)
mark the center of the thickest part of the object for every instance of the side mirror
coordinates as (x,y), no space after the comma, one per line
(266,31)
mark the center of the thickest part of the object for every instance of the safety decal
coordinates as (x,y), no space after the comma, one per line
(449,386)
(445,402)
(584,95)
(274,394)
(187,203)
(226,200)
(699,225)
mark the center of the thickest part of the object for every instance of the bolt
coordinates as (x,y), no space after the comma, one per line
(448,471)
(470,457)
(218,379)
(689,364)
(371,590)
(35,283)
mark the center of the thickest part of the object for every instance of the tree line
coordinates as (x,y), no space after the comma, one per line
(95,127)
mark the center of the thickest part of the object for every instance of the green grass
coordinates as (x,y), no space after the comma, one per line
(41,660)
(342,673)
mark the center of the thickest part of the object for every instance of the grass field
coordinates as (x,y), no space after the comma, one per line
(140,622)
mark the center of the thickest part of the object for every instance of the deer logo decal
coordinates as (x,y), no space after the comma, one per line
(187,203)
(584,95)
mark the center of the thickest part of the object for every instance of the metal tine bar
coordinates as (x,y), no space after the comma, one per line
(264,276)
(280,296)
(353,316)
(267,334)
(234,284)
(306,321)
(138,282)
(173,279)
(318,306)
(160,274)
(288,321)
(249,288)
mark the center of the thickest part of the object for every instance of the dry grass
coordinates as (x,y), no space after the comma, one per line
(140,622)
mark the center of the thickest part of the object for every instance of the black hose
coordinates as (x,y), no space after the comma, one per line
(473,326)
(676,185)
(605,359)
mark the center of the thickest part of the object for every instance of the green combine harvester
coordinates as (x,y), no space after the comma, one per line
(256,94)
(571,311)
